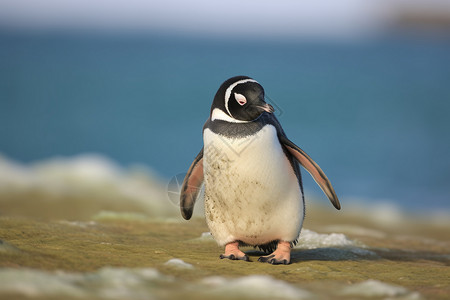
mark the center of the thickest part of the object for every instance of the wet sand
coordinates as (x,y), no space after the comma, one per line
(346,255)
(82,228)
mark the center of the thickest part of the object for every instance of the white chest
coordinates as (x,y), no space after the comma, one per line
(250,188)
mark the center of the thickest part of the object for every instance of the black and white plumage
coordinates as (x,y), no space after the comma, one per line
(253,187)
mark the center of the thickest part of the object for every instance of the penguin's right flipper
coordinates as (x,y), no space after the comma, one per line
(313,169)
(191,186)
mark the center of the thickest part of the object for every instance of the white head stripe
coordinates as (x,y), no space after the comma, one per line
(230,88)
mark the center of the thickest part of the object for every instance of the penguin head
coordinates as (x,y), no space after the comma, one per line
(240,98)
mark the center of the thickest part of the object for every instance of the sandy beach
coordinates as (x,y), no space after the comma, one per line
(92,239)
(114,252)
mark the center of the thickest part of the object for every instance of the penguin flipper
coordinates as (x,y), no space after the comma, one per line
(191,186)
(313,169)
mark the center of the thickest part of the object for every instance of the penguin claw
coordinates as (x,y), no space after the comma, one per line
(266,258)
(281,256)
(233,257)
(272,260)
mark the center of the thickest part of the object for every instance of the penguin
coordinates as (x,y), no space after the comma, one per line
(253,192)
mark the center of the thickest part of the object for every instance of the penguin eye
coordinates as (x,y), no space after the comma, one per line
(240,98)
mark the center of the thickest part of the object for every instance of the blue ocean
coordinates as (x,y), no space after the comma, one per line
(373,113)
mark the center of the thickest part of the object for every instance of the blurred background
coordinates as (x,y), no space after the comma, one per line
(363,86)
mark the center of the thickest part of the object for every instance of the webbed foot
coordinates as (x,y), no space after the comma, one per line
(233,257)
(281,256)
(232,252)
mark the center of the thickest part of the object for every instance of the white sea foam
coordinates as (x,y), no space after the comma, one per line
(178,263)
(139,283)
(14,175)
(122,283)
(34,283)
(385,214)
(310,240)
(106,283)
(92,178)
(382,212)
(356,230)
(253,286)
(375,288)
(333,246)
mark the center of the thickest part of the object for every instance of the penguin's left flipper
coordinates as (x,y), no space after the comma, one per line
(313,169)
(191,186)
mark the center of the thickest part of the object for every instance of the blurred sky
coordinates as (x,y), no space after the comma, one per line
(285,18)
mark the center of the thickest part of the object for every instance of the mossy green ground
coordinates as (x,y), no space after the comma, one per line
(415,256)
